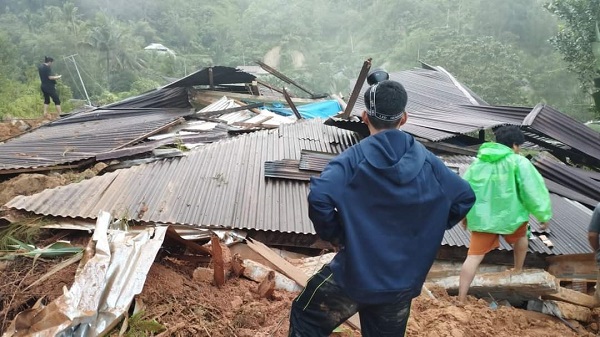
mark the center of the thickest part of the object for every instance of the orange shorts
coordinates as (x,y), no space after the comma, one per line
(483,243)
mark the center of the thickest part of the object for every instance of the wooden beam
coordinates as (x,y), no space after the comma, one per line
(211,96)
(573,297)
(225,111)
(217,260)
(362,76)
(282,77)
(172,235)
(288,99)
(582,266)
(289,270)
(514,287)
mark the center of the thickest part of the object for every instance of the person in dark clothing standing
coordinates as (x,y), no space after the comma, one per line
(49,84)
(386,203)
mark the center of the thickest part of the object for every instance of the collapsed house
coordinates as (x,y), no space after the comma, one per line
(248,169)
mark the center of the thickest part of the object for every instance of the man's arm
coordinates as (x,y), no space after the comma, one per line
(459,192)
(593,239)
(322,209)
(533,192)
(594,228)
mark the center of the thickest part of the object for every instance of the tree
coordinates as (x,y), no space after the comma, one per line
(576,35)
(492,69)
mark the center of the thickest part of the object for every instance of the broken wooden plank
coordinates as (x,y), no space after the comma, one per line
(290,270)
(266,288)
(288,99)
(284,78)
(573,297)
(192,246)
(280,263)
(442,269)
(574,266)
(218,263)
(362,76)
(257,272)
(561,309)
(511,286)
(209,96)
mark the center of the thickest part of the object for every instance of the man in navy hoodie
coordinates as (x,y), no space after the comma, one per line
(386,203)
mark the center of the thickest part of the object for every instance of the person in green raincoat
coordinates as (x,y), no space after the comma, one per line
(507,188)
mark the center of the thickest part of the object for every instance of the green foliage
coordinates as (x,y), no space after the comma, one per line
(27,231)
(576,34)
(499,49)
(492,69)
(139,327)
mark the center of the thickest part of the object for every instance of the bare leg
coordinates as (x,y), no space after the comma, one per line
(520,251)
(467,274)
(45,109)
(58,110)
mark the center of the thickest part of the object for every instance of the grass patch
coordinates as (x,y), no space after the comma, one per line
(27,231)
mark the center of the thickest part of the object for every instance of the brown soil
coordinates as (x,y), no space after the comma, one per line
(445,317)
(32,183)
(15,127)
(17,275)
(188,307)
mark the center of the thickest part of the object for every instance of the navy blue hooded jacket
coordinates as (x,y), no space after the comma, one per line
(387,201)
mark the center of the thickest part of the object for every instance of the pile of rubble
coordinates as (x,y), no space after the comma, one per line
(152,281)
(183,211)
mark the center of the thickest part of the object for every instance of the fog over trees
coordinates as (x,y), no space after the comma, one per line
(510,52)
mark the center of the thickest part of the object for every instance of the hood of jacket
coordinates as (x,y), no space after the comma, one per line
(492,152)
(395,154)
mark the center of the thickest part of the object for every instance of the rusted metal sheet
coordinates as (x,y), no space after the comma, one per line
(314,160)
(218,185)
(287,169)
(65,143)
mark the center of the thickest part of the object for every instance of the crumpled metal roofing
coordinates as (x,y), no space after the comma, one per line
(220,75)
(568,230)
(62,143)
(221,184)
(575,179)
(559,126)
(439,107)
(175,97)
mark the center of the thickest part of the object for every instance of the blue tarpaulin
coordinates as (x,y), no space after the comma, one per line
(323,109)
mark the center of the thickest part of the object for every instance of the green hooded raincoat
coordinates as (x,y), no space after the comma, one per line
(508,188)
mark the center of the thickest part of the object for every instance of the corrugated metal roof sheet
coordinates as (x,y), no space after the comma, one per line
(157,98)
(220,184)
(220,75)
(223,185)
(565,129)
(425,88)
(440,108)
(570,177)
(568,230)
(287,169)
(62,143)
